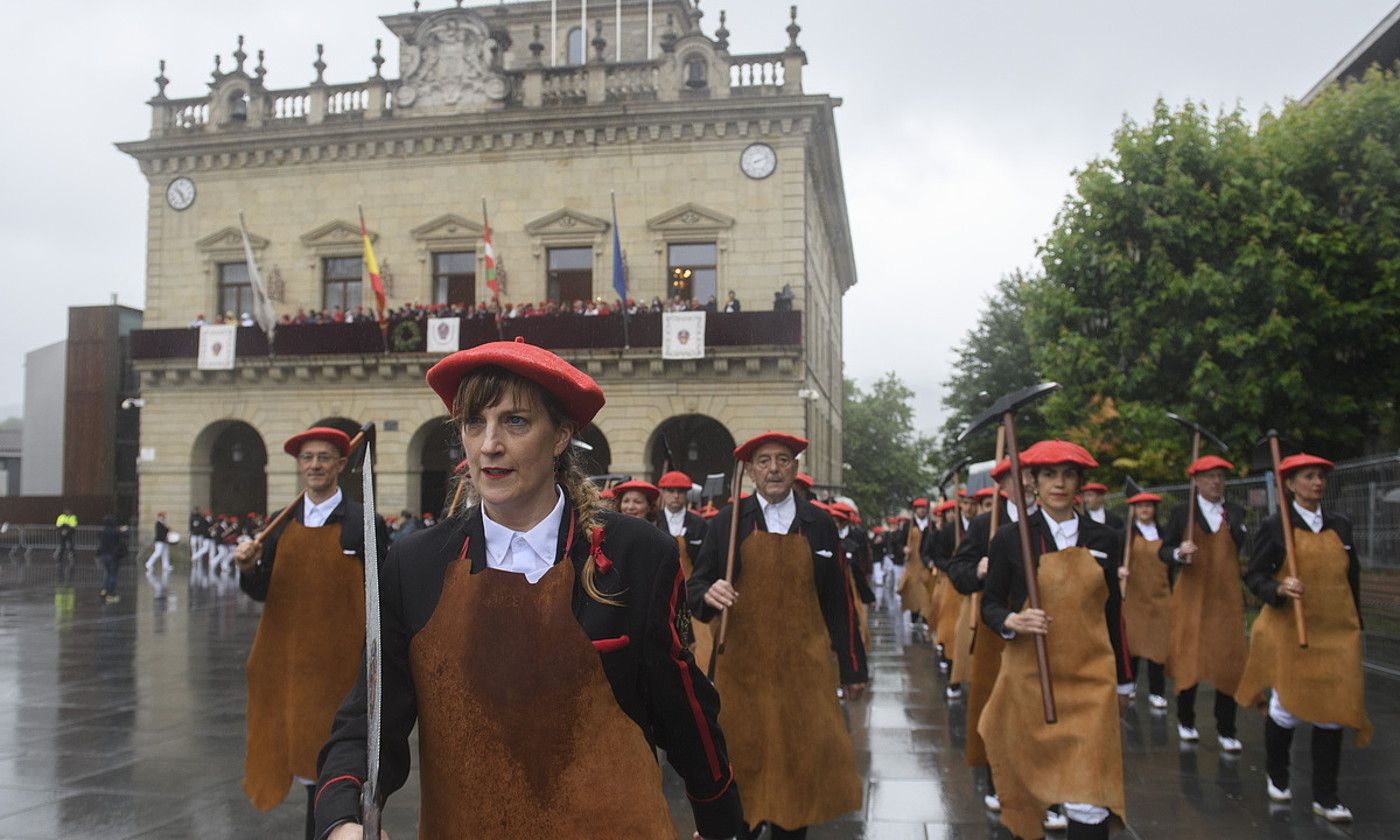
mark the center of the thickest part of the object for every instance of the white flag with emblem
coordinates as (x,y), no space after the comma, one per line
(216,346)
(443,335)
(683,335)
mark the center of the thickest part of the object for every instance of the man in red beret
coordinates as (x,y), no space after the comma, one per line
(1207,615)
(1095,496)
(309,574)
(792,754)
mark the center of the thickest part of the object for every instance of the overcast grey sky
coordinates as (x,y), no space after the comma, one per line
(961,125)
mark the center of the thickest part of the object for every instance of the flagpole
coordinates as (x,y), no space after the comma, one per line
(618,35)
(263,312)
(583,33)
(553,32)
(619,273)
(371,266)
(649,30)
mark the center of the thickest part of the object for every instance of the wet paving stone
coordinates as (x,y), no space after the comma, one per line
(126,721)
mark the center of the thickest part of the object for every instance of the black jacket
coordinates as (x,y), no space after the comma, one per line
(1175,532)
(657,688)
(695,529)
(162,531)
(961,568)
(827,571)
(856,545)
(1267,556)
(1005,591)
(894,543)
(350,515)
(1110,520)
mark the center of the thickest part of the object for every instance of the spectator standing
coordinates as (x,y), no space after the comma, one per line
(162,545)
(731,302)
(111,549)
(67,525)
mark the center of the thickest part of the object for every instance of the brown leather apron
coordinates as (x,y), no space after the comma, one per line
(862,615)
(703,633)
(1080,758)
(987,646)
(913,581)
(519,732)
(777,681)
(963,639)
(946,630)
(1147,602)
(1207,617)
(1322,683)
(304,660)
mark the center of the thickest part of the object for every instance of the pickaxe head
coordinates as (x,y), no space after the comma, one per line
(368,433)
(953,471)
(1197,428)
(1130,487)
(1261,456)
(1011,403)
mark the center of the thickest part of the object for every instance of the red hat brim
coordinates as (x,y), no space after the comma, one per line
(674,480)
(745,450)
(984,493)
(805,480)
(844,510)
(1302,459)
(1142,498)
(1050,452)
(1208,463)
(919,502)
(646,488)
(1095,487)
(576,390)
(335,437)
(1002,468)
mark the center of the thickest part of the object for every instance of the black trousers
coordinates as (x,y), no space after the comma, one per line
(1225,709)
(310,812)
(1326,759)
(1156,675)
(776,832)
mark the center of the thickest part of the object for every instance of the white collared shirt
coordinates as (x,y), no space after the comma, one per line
(530,553)
(965,522)
(314,515)
(1148,530)
(1312,520)
(1100,516)
(778,518)
(1011,514)
(921,523)
(1214,512)
(1066,533)
(843,531)
(675,522)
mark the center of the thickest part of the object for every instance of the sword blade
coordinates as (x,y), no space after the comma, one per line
(369,799)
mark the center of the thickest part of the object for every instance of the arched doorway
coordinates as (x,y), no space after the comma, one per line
(599,459)
(351,480)
(235,458)
(699,446)
(433,451)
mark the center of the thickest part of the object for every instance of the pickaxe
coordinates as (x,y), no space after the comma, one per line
(1130,489)
(1286,521)
(366,431)
(1004,411)
(998,453)
(1197,432)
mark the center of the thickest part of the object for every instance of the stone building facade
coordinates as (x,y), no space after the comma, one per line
(700,148)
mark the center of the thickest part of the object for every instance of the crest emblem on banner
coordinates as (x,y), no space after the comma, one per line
(444,335)
(683,335)
(217,346)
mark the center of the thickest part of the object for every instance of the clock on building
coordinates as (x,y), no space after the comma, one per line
(758,161)
(179,194)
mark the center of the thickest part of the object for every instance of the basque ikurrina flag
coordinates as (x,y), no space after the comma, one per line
(492,282)
(372,266)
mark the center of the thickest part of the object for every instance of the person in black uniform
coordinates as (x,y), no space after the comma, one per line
(1095,495)
(676,518)
(532,638)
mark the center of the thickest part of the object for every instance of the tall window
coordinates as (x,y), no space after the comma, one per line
(570,274)
(454,277)
(573,46)
(235,292)
(691,271)
(341,280)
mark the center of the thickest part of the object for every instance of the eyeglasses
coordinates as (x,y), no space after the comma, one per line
(317,458)
(768,462)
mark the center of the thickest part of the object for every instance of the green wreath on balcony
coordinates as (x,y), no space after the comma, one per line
(406,336)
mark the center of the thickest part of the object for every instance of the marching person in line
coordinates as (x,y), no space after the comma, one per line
(1322,684)
(954,607)
(637,498)
(1207,614)
(793,640)
(855,555)
(161,548)
(1147,599)
(532,638)
(198,541)
(804,486)
(309,575)
(688,529)
(1094,496)
(1078,760)
(913,582)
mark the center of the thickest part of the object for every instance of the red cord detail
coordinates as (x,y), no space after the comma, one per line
(462,555)
(610,645)
(356,781)
(596,551)
(722,791)
(702,726)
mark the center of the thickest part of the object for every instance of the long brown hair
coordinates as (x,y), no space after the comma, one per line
(486,387)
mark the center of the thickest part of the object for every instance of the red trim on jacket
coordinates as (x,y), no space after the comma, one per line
(317,801)
(701,725)
(610,645)
(722,791)
(851,633)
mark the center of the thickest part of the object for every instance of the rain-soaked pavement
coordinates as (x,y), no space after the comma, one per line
(126,720)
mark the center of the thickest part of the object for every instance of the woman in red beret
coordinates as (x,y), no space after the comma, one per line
(1147,599)
(533,640)
(1323,683)
(637,498)
(1078,760)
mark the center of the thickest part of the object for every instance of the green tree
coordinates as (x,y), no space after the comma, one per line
(1243,276)
(888,457)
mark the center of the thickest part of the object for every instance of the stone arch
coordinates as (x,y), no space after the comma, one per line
(229,468)
(700,444)
(351,480)
(433,452)
(599,460)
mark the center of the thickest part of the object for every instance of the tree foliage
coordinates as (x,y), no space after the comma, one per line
(888,458)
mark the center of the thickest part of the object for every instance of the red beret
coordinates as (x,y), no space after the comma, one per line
(709,511)
(1095,487)
(891,519)
(1141,498)
(607,494)
(962,492)
(919,502)
(580,395)
(1049,452)
(1002,468)
(944,506)
(335,437)
(745,450)
(805,480)
(844,510)
(646,488)
(674,480)
(819,505)
(984,493)
(1302,459)
(1209,462)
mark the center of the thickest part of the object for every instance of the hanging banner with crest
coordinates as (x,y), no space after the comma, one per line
(216,346)
(683,335)
(443,335)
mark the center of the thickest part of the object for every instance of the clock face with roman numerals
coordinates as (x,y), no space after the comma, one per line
(179,193)
(758,161)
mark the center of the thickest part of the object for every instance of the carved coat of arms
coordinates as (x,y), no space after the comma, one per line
(447,65)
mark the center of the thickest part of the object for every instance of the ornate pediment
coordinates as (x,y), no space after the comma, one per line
(446,65)
(567,222)
(229,240)
(690,218)
(337,235)
(448,229)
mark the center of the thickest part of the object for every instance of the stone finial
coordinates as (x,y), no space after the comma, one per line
(218,71)
(415,6)
(536,47)
(599,42)
(378,59)
(669,38)
(260,70)
(239,55)
(722,34)
(320,65)
(793,29)
(696,14)
(459,4)
(161,81)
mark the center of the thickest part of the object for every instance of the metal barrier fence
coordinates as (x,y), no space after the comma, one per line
(1366,491)
(24,539)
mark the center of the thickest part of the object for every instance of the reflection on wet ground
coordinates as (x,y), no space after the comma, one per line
(126,720)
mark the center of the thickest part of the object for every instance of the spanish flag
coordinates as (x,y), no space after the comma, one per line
(372,266)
